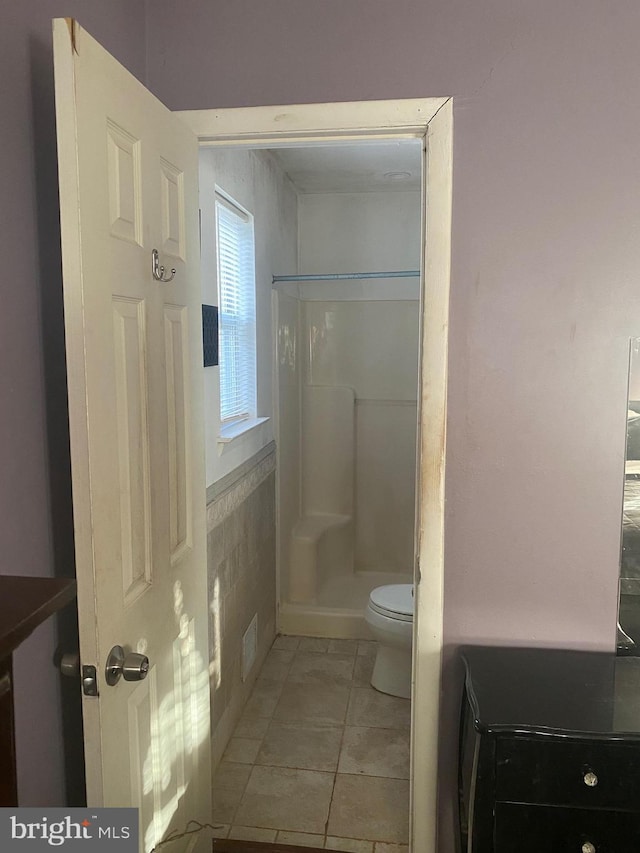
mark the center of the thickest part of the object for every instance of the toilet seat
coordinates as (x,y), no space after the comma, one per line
(394,601)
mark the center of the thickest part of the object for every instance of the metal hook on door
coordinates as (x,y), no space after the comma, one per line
(157,270)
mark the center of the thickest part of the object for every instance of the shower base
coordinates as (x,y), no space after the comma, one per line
(338,611)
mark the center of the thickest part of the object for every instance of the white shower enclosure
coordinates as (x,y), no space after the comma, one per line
(347,379)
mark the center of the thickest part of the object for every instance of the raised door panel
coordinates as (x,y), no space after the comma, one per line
(177,366)
(131,383)
(173,213)
(124,182)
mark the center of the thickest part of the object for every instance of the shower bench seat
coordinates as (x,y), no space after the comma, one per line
(320,544)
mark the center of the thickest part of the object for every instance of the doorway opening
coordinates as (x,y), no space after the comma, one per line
(341,244)
(318,335)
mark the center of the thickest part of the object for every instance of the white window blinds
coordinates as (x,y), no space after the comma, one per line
(237,311)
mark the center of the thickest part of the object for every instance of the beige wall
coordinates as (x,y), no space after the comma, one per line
(240,478)
(256,182)
(372,348)
(288,357)
(357,232)
(242,583)
(364,335)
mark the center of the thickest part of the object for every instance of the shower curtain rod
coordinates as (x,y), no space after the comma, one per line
(344,276)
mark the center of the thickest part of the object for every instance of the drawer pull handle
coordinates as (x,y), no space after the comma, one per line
(588,847)
(590,780)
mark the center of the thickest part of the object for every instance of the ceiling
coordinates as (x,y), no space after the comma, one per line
(353,168)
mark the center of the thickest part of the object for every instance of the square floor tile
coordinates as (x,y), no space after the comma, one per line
(305,745)
(313,703)
(368,707)
(383,847)
(232,776)
(375,752)
(225,802)
(301,839)
(367,648)
(252,833)
(363,671)
(242,750)
(370,806)
(252,727)
(276,666)
(221,830)
(282,642)
(263,700)
(348,845)
(282,798)
(313,644)
(343,647)
(314,668)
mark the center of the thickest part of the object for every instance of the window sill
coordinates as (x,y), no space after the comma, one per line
(230,432)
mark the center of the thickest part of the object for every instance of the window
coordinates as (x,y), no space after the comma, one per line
(237,311)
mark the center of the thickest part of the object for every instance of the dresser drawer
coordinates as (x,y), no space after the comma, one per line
(542,829)
(589,774)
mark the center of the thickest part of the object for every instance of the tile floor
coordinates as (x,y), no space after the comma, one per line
(319,758)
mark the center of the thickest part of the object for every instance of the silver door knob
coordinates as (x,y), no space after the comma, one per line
(132,666)
(70,664)
(590,779)
(588,847)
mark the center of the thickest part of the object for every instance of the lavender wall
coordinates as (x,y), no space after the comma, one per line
(35,505)
(546,263)
(544,295)
(546,260)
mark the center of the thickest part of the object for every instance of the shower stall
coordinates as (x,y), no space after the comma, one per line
(347,379)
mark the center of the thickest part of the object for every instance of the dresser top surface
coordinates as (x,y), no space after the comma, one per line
(550,691)
(25,602)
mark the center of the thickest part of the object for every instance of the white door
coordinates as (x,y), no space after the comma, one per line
(128,185)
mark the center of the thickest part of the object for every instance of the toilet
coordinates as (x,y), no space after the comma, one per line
(389,615)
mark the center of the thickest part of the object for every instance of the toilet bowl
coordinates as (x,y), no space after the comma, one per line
(389,615)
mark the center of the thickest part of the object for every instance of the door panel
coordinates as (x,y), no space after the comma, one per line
(125,190)
(132,395)
(173,222)
(176,347)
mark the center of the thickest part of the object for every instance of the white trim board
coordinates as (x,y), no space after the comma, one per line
(261,127)
(432,120)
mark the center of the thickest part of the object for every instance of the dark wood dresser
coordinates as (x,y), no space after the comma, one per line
(25,603)
(549,757)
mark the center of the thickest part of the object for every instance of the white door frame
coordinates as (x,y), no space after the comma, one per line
(430,119)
